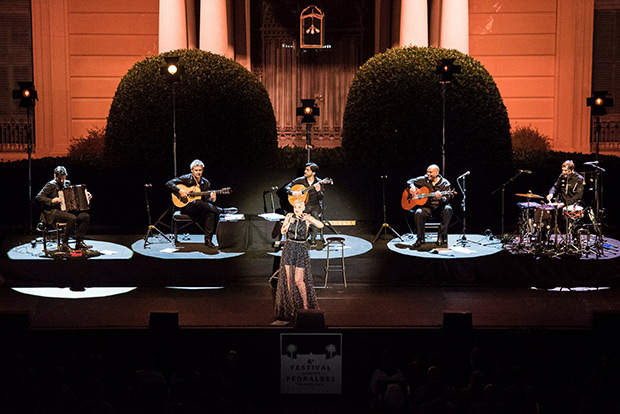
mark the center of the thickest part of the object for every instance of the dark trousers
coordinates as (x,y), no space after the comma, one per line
(421,214)
(204,212)
(315,211)
(75,222)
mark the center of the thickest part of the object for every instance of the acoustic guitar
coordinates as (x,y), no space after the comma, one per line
(304,190)
(409,200)
(194,193)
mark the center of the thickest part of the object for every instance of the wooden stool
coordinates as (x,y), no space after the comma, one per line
(338,241)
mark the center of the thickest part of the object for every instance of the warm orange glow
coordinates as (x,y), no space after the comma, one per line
(173,69)
(26,93)
(307,110)
(598,101)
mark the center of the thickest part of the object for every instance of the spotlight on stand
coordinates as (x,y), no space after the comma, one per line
(308,110)
(446,69)
(172,71)
(598,102)
(27,96)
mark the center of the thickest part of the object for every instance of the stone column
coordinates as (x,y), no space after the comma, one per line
(413,23)
(172,25)
(454,32)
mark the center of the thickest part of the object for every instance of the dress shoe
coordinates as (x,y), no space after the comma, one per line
(418,243)
(82,246)
(210,244)
(441,242)
(230,210)
(65,248)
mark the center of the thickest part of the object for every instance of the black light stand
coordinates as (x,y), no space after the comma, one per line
(598,102)
(447,69)
(27,96)
(308,110)
(385,226)
(172,72)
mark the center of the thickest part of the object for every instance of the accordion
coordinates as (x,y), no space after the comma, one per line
(74,198)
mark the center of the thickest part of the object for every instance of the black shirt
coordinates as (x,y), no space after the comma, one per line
(441,185)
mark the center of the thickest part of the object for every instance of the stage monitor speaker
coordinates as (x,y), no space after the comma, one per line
(164,321)
(457,321)
(310,320)
(17,322)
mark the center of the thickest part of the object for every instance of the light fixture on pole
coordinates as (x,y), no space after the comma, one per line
(308,110)
(598,102)
(172,71)
(446,69)
(27,96)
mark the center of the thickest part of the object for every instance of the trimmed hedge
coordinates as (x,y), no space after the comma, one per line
(393,115)
(223,115)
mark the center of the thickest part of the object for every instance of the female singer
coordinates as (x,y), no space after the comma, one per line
(295,286)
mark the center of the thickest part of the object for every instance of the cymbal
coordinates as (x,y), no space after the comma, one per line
(529,195)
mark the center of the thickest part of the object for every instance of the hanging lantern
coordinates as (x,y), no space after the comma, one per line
(311,28)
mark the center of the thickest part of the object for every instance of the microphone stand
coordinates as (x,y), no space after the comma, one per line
(463,239)
(151,227)
(385,226)
(503,188)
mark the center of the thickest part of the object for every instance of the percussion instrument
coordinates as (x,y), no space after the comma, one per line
(529,194)
(574,211)
(529,204)
(74,198)
(544,215)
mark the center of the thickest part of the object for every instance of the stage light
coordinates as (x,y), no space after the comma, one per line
(172,70)
(447,69)
(308,111)
(598,102)
(26,94)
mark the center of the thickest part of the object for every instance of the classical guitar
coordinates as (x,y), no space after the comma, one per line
(194,193)
(409,200)
(304,190)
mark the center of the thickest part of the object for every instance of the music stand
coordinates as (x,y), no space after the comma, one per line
(385,226)
(152,227)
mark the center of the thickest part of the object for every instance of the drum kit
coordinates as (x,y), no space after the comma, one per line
(553,228)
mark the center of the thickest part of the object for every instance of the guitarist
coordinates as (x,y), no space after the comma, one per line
(314,205)
(436,206)
(202,210)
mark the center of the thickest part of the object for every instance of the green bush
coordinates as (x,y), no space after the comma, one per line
(88,150)
(223,114)
(528,138)
(393,114)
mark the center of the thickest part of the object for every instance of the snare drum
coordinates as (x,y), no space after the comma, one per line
(574,211)
(544,215)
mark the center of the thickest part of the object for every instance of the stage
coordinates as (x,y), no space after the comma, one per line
(390,284)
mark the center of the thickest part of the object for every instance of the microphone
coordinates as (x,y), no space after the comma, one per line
(525,171)
(591,163)
(274,188)
(463,175)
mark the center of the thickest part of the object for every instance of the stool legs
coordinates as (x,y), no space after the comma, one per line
(341,267)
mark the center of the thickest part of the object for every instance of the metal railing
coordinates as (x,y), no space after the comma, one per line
(609,137)
(13,135)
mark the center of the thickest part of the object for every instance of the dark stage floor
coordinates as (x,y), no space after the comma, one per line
(386,288)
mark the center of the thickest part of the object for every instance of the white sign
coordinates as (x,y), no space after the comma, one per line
(310,363)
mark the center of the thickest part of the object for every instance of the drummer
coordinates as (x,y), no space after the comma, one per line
(568,188)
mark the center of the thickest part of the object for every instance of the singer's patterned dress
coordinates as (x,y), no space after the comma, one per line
(294,255)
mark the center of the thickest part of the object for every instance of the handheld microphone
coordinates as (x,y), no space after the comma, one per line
(525,171)
(463,175)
